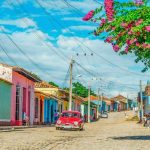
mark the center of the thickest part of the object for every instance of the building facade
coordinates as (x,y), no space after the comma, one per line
(5,102)
(22,94)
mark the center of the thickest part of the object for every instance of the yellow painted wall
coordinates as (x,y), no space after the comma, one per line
(65,105)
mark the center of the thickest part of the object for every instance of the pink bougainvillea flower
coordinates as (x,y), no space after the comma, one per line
(130,32)
(116,48)
(103,20)
(137,44)
(108,40)
(147,28)
(139,22)
(109,4)
(113,28)
(139,2)
(124,24)
(148,45)
(88,16)
(129,42)
(126,49)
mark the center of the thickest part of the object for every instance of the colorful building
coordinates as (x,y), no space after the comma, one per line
(120,103)
(39,107)
(146,99)
(103,102)
(56,92)
(77,101)
(93,111)
(5,102)
(22,94)
(53,101)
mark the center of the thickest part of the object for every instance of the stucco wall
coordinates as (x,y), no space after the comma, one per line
(5,100)
(23,82)
(147,105)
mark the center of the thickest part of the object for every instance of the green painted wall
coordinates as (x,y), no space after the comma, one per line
(5,100)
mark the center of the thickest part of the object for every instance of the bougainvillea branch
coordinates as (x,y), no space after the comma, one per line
(126,26)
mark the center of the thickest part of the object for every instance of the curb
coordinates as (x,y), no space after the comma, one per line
(13,128)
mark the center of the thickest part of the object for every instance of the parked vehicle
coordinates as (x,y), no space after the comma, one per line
(104,115)
(147,120)
(70,120)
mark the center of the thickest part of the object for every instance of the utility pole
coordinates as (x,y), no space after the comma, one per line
(101,101)
(89,100)
(141,98)
(70,92)
(99,104)
(127,102)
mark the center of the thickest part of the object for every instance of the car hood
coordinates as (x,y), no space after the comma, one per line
(68,120)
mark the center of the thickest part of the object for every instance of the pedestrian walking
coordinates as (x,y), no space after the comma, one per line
(27,121)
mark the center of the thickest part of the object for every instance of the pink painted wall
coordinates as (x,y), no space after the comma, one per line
(23,82)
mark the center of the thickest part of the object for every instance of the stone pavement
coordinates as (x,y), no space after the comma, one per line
(113,133)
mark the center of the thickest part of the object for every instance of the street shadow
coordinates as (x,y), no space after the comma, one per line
(144,137)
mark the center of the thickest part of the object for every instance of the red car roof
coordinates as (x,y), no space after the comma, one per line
(67,111)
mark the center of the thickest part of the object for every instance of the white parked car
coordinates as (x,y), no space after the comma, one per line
(104,115)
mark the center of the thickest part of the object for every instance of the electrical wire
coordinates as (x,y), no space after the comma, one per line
(21,50)
(100,56)
(66,78)
(2,60)
(11,59)
(93,75)
(62,56)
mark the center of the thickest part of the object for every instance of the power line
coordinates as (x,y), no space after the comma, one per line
(66,77)
(100,79)
(100,56)
(97,2)
(63,57)
(12,60)
(2,60)
(21,50)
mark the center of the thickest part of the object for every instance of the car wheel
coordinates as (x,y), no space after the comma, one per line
(81,129)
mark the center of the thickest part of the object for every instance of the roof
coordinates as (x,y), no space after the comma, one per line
(5,81)
(6,65)
(46,94)
(120,98)
(26,73)
(78,97)
(93,98)
(22,71)
(44,84)
(71,111)
(92,104)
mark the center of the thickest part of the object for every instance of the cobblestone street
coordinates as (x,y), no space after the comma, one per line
(113,133)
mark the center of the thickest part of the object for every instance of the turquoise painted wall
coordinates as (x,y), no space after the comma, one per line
(5,100)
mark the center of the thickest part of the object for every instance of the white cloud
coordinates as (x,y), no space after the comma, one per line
(21,23)
(72,18)
(54,66)
(2,28)
(82,27)
(11,3)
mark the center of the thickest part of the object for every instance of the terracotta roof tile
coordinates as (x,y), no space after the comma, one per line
(44,85)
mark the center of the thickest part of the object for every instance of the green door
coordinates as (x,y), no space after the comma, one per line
(5,100)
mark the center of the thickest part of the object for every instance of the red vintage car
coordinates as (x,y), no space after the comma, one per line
(70,120)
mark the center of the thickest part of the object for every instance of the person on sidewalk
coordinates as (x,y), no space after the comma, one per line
(27,121)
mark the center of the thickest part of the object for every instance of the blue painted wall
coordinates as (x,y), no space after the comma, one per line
(50,110)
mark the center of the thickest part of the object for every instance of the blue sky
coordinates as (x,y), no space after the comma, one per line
(50,39)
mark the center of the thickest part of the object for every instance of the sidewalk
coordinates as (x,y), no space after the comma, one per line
(11,128)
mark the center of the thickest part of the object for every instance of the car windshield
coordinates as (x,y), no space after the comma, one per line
(74,115)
